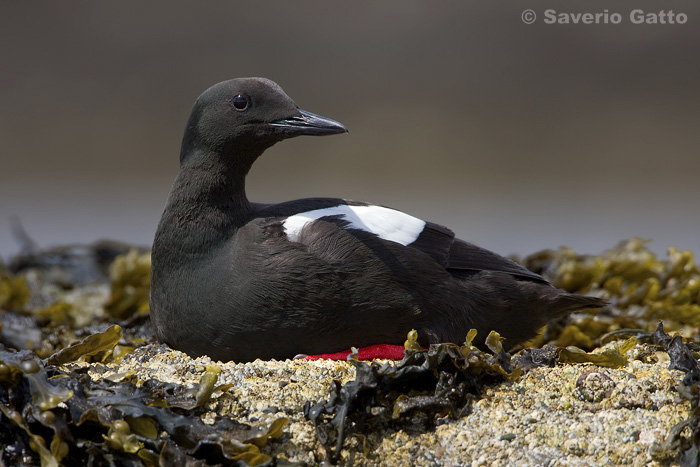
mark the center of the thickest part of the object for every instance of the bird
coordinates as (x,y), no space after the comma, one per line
(237,280)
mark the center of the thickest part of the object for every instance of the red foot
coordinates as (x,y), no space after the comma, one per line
(388,351)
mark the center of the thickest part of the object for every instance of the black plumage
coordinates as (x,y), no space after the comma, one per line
(230,280)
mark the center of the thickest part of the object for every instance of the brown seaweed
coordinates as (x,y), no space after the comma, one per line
(113,420)
(682,359)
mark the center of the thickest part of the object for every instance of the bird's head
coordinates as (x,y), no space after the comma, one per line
(248,115)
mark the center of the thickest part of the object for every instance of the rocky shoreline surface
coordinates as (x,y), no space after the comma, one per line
(594,389)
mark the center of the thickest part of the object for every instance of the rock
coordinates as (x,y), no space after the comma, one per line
(540,419)
(594,387)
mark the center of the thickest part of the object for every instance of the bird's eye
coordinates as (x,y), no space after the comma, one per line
(240,102)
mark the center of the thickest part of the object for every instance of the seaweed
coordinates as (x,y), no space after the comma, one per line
(14,291)
(67,265)
(642,289)
(130,278)
(116,422)
(611,358)
(42,312)
(91,345)
(675,444)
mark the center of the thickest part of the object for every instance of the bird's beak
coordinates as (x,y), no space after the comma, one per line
(307,123)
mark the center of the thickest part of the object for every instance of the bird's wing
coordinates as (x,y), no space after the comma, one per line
(394,226)
(454,254)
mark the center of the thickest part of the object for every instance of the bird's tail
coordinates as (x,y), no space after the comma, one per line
(568,302)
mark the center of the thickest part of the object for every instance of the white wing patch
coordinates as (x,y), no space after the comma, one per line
(386,223)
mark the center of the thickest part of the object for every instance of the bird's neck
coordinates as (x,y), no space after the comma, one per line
(207,203)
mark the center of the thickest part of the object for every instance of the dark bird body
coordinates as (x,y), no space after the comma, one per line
(237,280)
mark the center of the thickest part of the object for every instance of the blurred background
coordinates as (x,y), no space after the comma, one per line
(518,137)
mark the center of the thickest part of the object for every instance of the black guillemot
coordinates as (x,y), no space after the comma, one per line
(237,280)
